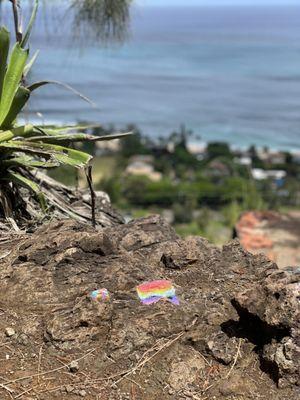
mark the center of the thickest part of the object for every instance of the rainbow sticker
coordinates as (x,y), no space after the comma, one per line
(152,292)
(100,295)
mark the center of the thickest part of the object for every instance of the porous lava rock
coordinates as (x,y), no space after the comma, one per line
(234,335)
(273,307)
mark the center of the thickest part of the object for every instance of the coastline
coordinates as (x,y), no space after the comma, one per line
(198,143)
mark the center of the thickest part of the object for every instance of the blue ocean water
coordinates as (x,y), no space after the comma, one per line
(230,73)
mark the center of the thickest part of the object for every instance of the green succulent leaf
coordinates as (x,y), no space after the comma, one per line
(60,154)
(111,137)
(30,63)
(53,129)
(54,137)
(16,132)
(37,85)
(4,49)
(19,101)
(12,79)
(26,35)
(27,161)
(65,155)
(24,147)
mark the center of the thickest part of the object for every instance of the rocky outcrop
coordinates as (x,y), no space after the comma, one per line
(273,307)
(235,333)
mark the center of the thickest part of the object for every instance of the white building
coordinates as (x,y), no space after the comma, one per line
(244,160)
(262,174)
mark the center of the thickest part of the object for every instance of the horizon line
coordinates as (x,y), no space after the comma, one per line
(262,5)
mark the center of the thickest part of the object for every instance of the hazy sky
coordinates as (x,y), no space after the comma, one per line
(217,2)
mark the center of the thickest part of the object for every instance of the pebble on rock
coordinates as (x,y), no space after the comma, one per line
(74,366)
(9,332)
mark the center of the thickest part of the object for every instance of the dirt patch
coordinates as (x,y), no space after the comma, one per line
(235,334)
(275,234)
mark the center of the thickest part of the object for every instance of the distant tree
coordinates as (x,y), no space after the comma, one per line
(105,19)
(101,19)
(256,161)
(218,149)
(252,151)
(141,191)
(234,189)
(181,158)
(182,136)
(288,157)
(253,199)
(135,144)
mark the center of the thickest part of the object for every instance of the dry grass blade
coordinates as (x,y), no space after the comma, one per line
(39,363)
(140,364)
(25,392)
(5,254)
(235,358)
(13,224)
(50,371)
(10,391)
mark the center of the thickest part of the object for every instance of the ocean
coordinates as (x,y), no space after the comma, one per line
(228,73)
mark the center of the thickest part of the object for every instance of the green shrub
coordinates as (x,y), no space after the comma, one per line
(218,149)
(141,191)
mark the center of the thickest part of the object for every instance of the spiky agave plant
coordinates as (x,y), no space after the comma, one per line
(26,148)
